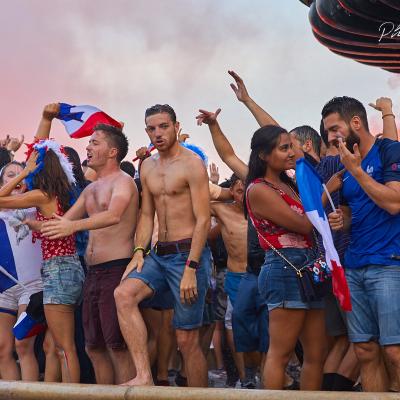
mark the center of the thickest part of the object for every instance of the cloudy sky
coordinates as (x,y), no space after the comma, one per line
(123,56)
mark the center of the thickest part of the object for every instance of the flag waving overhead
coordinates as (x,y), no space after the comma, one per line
(79,121)
(310,188)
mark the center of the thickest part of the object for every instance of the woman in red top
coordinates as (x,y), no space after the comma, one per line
(274,206)
(49,178)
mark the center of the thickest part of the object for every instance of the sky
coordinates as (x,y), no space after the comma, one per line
(124,56)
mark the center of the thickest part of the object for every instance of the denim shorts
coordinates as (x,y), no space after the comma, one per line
(63,279)
(165,272)
(278,282)
(250,317)
(375,299)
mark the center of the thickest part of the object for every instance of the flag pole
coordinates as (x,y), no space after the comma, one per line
(8,275)
(329,197)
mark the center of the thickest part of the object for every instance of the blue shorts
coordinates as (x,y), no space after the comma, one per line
(278,283)
(375,298)
(162,273)
(63,279)
(159,301)
(231,286)
(250,317)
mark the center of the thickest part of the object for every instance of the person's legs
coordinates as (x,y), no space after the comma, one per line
(217,344)
(8,366)
(122,363)
(102,365)
(313,340)
(285,326)
(26,355)
(165,345)
(373,372)
(195,362)
(61,323)
(153,320)
(52,372)
(128,295)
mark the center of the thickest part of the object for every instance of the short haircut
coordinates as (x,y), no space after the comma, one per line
(161,108)
(128,167)
(116,138)
(233,179)
(323,133)
(347,108)
(304,133)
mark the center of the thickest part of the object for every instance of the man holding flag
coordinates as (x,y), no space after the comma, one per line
(370,208)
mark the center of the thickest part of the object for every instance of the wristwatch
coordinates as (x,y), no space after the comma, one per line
(192,264)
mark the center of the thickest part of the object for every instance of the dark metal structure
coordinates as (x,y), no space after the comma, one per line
(367,31)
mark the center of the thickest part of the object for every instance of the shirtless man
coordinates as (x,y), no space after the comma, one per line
(111,202)
(233,225)
(175,186)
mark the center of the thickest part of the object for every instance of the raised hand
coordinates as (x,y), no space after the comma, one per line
(383,104)
(214,174)
(335,182)
(207,117)
(240,88)
(351,161)
(182,136)
(14,144)
(31,163)
(4,142)
(142,153)
(51,111)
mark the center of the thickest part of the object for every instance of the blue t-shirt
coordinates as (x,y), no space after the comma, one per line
(375,234)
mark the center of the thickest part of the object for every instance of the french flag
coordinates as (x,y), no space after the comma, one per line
(310,189)
(79,121)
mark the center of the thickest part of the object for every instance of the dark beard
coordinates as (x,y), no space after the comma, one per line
(351,140)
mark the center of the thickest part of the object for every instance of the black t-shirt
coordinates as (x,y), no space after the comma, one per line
(255,254)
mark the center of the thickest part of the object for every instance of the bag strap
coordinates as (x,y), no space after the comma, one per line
(298,270)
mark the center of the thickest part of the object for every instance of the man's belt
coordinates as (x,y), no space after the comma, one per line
(179,246)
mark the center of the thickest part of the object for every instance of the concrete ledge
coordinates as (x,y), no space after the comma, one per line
(17,390)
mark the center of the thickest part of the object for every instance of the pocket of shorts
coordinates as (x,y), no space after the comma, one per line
(71,275)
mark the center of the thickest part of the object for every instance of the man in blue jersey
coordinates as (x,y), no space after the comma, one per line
(370,208)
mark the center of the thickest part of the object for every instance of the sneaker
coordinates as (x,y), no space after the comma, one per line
(248,384)
(180,380)
(216,374)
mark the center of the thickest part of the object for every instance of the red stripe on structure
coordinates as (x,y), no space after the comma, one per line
(97,118)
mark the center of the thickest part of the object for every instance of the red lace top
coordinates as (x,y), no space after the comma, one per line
(54,247)
(278,236)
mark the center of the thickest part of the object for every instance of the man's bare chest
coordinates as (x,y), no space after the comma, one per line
(98,199)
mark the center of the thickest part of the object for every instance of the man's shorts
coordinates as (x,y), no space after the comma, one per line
(163,272)
(335,317)
(250,317)
(100,319)
(375,298)
(17,295)
(63,279)
(232,282)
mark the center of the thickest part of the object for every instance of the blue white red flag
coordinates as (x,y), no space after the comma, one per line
(79,121)
(20,261)
(310,189)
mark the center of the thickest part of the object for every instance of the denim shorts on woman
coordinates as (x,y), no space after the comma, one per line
(278,282)
(63,279)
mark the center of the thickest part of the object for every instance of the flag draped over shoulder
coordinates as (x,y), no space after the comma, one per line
(79,121)
(310,188)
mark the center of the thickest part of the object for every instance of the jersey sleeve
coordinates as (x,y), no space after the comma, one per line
(390,157)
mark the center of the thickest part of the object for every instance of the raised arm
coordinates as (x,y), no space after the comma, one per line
(261,116)
(50,111)
(384,105)
(221,143)
(268,204)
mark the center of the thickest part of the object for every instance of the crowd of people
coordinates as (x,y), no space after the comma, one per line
(142,271)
